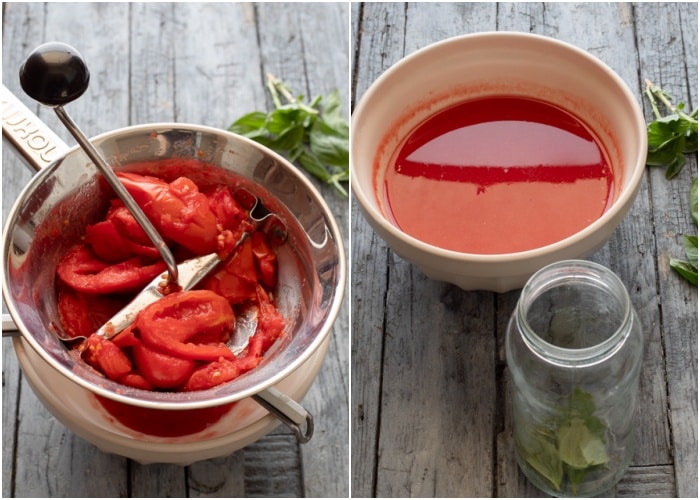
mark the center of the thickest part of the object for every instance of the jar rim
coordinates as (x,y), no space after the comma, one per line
(560,273)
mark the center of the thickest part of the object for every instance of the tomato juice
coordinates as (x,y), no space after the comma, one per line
(498,175)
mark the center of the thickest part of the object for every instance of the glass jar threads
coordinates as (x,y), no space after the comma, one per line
(574,349)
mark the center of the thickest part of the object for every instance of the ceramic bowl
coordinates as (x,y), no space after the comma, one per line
(495,64)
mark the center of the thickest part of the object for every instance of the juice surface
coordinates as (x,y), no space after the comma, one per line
(498,175)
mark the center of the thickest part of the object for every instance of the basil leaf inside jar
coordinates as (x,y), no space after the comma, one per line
(569,446)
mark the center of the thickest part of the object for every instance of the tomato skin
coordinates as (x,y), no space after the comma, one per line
(107,357)
(106,242)
(161,370)
(212,374)
(82,314)
(265,260)
(237,279)
(177,209)
(83,271)
(126,338)
(270,326)
(168,325)
(226,209)
(136,380)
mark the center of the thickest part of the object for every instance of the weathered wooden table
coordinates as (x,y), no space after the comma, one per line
(195,63)
(429,413)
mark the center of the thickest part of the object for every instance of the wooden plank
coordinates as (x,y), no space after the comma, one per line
(218,477)
(668,57)
(42,442)
(438,339)
(218,75)
(10,398)
(215,49)
(14,176)
(369,264)
(654,481)
(268,463)
(315,62)
(630,253)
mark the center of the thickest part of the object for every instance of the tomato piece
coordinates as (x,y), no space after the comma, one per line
(130,231)
(106,357)
(270,326)
(237,278)
(136,380)
(106,242)
(81,314)
(178,210)
(73,313)
(126,338)
(83,271)
(161,370)
(169,324)
(213,374)
(265,260)
(226,209)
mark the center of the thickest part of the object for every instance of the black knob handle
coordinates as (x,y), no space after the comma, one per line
(54,74)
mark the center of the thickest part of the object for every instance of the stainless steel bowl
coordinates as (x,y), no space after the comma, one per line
(52,211)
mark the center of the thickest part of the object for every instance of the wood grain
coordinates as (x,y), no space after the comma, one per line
(430,406)
(189,63)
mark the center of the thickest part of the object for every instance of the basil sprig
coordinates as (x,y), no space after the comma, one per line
(313,135)
(671,138)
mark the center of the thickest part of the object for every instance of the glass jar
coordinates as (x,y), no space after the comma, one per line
(574,349)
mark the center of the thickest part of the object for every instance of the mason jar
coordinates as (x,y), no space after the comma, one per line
(574,349)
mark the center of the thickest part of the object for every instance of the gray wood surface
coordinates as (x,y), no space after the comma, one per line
(201,63)
(430,411)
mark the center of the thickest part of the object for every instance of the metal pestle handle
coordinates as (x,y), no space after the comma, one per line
(55,74)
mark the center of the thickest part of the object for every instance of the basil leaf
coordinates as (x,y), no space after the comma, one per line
(246,124)
(686,270)
(542,455)
(329,145)
(691,249)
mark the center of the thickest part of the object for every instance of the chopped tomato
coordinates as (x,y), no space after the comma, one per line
(81,314)
(106,242)
(131,231)
(177,209)
(237,278)
(107,357)
(161,370)
(178,342)
(136,380)
(83,271)
(265,260)
(169,324)
(227,211)
(270,326)
(212,374)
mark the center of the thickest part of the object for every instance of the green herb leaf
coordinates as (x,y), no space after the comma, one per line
(691,249)
(580,447)
(672,136)
(313,135)
(686,270)
(571,445)
(543,457)
(670,139)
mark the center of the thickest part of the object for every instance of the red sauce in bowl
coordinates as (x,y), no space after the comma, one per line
(498,175)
